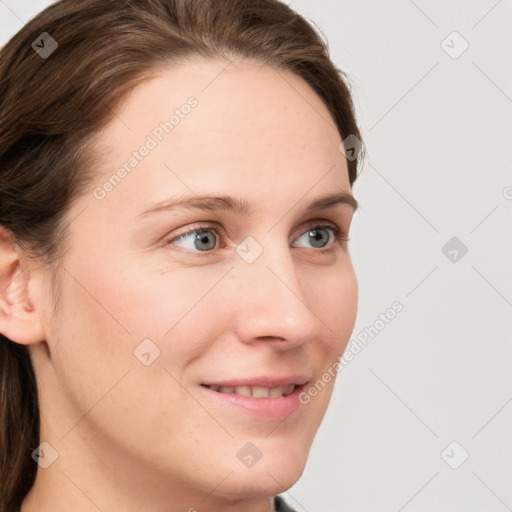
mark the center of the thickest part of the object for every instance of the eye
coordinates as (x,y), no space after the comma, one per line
(203,238)
(318,236)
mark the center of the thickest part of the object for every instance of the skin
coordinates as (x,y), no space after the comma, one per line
(133,437)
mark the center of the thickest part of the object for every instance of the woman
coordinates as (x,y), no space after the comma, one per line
(176,285)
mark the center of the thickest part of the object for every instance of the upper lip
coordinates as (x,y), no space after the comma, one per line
(263,381)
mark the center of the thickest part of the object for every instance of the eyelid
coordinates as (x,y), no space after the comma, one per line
(206,226)
(339,234)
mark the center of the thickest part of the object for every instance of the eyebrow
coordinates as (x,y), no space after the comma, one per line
(241,206)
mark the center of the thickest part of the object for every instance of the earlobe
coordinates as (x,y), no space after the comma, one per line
(19,319)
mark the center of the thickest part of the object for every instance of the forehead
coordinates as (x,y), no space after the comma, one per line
(249,121)
(263,91)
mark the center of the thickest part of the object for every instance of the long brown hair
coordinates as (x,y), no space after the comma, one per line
(61,77)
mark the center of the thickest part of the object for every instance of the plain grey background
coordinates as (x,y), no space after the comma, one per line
(421,417)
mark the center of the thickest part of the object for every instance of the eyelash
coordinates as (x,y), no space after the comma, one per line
(339,235)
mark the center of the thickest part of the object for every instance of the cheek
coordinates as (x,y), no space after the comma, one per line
(115,319)
(91,344)
(335,300)
(104,318)
(343,306)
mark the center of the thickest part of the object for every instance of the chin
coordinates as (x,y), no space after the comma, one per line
(274,473)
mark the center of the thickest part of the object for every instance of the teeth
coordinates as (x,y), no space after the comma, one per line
(289,389)
(260,392)
(243,390)
(276,392)
(255,391)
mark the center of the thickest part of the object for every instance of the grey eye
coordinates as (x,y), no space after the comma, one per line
(318,237)
(199,239)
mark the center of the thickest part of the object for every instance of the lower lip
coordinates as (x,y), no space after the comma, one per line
(276,408)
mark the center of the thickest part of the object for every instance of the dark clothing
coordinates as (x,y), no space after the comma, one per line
(281,505)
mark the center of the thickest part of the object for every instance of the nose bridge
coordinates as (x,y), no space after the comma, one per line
(273,302)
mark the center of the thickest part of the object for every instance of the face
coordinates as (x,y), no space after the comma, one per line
(171,315)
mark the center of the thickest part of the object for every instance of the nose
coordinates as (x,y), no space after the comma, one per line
(271,302)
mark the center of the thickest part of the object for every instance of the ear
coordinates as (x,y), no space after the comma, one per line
(19,319)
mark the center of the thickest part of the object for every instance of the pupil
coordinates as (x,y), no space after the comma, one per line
(316,235)
(203,238)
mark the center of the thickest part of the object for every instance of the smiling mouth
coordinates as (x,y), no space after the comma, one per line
(255,391)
